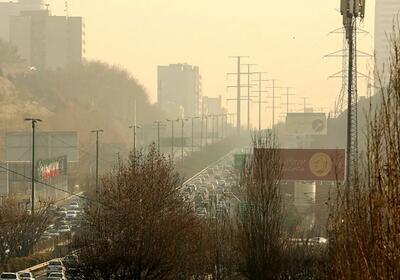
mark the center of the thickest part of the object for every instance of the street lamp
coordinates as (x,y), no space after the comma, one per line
(193,118)
(134,127)
(182,120)
(172,137)
(158,133)
(34,121)
(97,131)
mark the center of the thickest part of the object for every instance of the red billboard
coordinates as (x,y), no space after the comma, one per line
(313,164)
(47,169)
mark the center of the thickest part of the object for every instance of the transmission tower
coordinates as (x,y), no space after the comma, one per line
(238,87)
(341,100)
(352,11)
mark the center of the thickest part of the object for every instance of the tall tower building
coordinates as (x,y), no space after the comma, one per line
(386,12)
(45,41)
(179,90)
(14,8)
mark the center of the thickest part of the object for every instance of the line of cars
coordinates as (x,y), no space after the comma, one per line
(209,191)
(23,275)
(66,220)
(63,269)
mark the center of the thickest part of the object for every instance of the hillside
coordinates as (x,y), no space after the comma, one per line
(88,96)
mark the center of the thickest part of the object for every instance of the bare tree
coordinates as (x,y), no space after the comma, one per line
(364,222)
(20,231)
(141,228)
(260,234)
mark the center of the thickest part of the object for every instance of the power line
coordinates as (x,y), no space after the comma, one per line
(44,183)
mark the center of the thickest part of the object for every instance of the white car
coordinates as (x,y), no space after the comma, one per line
(319,240)
(9,275)
(73,205)
(201,212)
(26,275)
(71,214)
(52,232)
(56,276)
(55,266)
(64,229)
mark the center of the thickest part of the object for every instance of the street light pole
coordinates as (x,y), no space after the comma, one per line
(172,138)
(34,122)
(134,136)
(212,129)
(97,131)
(182,135)
(193,118)
(207,131)
(158,134)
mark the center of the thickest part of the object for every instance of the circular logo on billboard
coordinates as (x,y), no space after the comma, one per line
(320,164)
(318,125)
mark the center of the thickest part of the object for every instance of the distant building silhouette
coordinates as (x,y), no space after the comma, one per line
(46,41)
(9,9)
(386,16)
(212,106)
(179,87)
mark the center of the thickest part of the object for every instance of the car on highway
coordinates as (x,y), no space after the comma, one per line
(62,211)
(201,212)
(55,265)
(9,275)
(45,236)
(64,229)
(73,205)
(71,214)
(52,208)
(318,240)
(52,232)
(70,261)
(26,275)
(57,276)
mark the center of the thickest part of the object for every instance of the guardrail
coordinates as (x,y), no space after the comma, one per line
(210,165)
(38,269)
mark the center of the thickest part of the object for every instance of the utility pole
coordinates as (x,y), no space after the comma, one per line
(287,95)
(34,121)
(273,100)
(134,127)
(193,118)
(172,138)
(97,131)
(248,92)
(158,123)
(201,132)
(207,116)
(183,124)
(305,104)
(238,93)
(260,91)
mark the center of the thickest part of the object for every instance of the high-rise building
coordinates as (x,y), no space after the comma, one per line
(9,9)
(179,90)
(46,41)
(386,12)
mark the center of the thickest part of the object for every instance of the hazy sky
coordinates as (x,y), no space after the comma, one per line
(288,39)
